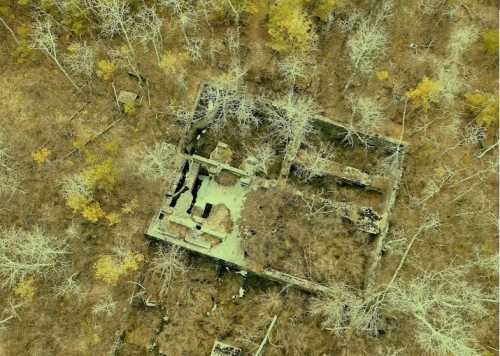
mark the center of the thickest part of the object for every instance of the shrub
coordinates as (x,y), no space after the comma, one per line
(426,92)
(172,62)
(290,29)
(26,289)
(26,254)
(382,75)
(323,8)
(9,177)
(75,17)
(113,218)
(490,41)
(236,8)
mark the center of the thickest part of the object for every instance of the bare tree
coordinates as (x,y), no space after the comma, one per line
(290,119)
(147,29)
(70,287)
(157,162)
(368,112)
(368,41)
(444,306)
(186,15)
(167,264)
(76,185)
(28,253)
(365,46)
(116,19)
(342,310)
(227,99)
(315,162)
(44,38)
(264,155)
(106,306)
(81,60)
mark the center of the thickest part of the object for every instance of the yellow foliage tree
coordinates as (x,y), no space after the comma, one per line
(77,202)
(172,62)
(484,108)
(101,176)
(426,92)
(93,212)
(382,75)
(111,268)
(41,156)
(290,29)
(113,219)
(26,289)
(106,69)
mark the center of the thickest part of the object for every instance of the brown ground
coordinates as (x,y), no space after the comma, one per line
(321,248)
(37,109)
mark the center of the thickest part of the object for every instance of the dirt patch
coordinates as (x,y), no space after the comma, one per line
(279,234)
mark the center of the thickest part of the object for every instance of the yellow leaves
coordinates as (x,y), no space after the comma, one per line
(101,176)
(24,31)
(106,69)
(98,176)
(477,100)
(130,109)
(129,208)
(440,172)
(77,202)
(426,92)
(112,147)
(93,212)
(113,219)
(110,268)
(289,28)
(484,108)
(173,62)
(382,75)
(41,156)
(26,289)
(490,41)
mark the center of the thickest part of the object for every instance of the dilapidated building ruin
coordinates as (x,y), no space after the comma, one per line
(205,204)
